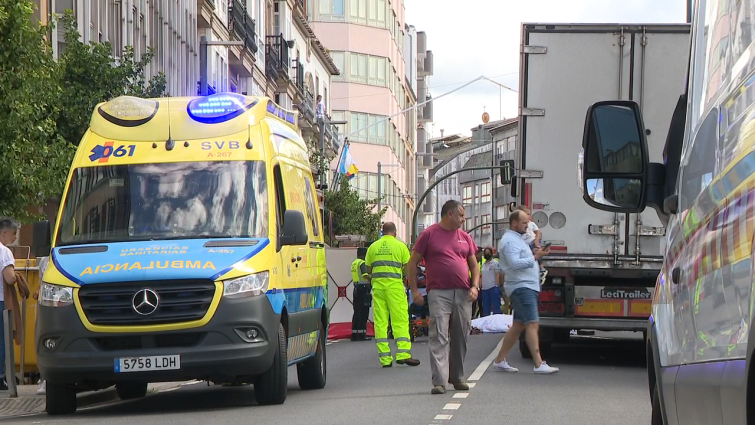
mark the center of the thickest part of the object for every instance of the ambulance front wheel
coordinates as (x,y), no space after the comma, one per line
(312,372)
(272,386)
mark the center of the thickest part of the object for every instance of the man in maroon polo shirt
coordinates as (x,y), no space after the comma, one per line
(449,254)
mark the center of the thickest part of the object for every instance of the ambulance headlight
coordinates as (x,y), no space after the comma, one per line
(129,111)
(220,107)
(247,286)
(55,295)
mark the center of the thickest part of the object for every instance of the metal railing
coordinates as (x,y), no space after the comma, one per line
(272,58)
(278,46)
(242,24)
(307,105)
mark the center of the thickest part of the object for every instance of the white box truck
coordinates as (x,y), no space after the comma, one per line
(603,266)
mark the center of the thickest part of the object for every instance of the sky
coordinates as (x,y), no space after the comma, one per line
(482,38)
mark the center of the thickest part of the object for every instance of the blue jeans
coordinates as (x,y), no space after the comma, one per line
(524,301)
(2,341)
(491,301)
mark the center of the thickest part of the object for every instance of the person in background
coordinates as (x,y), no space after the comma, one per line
(386,260)
(8,233)
(491,278)
(361,296)
(42,265)
(533,238)
(477,305)
(522,284)
(449,254)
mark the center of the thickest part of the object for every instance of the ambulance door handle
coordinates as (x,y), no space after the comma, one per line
(293,259)
(298,258)
(676,275)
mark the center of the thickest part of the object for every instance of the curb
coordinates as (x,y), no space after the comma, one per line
(35,404)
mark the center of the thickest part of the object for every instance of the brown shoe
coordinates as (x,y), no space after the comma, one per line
(438,390)
(461,386)
(408,362)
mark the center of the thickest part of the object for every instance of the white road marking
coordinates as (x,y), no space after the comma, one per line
(477,374)
(443,417)
(461,395)
(471,384)
(452,406)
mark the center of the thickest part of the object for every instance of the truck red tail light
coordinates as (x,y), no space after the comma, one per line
(551,301)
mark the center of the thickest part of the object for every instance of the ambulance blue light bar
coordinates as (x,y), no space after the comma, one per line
(219,107)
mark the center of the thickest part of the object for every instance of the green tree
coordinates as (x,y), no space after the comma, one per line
(34,158)
(90,74)
(351,214)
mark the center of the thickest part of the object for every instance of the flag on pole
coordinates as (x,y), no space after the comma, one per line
(347,166)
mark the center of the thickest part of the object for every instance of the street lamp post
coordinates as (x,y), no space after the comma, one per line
(323,121)
(416,184)
(380,184)
(203,43)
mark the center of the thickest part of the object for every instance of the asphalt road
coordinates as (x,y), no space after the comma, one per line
(600,382)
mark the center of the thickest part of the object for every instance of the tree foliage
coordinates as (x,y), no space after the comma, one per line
(91,74)
(46,106)
(351,214)
(34,157)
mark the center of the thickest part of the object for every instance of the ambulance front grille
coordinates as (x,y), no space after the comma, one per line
(122,304)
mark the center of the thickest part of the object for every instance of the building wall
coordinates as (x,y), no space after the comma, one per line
(366,41)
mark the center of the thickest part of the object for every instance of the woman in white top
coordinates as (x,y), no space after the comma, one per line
(491,277)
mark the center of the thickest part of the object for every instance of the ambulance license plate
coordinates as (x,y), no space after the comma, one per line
(147,364)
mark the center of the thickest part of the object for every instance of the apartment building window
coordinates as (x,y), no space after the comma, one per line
(338,60)
(485,219)
(221,8)
(358,12)
(358,122)
(377,69)
(485,195)
(331,9)
(466,197)
(358,70)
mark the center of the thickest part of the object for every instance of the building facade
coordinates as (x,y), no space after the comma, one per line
(485,200)
(368,41)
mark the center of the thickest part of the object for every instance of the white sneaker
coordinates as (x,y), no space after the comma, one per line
(504,366)
(42,389)
(544,369)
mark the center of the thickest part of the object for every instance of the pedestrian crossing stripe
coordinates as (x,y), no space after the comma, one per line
(302,346)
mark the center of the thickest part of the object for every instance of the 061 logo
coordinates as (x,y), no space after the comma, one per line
(102,153)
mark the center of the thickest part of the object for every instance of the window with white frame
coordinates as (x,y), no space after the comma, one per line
(485,192)
(466,197)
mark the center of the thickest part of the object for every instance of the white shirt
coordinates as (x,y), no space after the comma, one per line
(6,259)
(489,273)
(529,236)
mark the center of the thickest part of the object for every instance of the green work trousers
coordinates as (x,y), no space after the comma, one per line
(391,302)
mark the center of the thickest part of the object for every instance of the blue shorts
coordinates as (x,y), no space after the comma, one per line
(524,302)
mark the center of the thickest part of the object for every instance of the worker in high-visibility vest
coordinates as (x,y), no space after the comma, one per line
(386,263)
(361,296)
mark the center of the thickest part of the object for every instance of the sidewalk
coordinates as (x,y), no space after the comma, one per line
(28,402)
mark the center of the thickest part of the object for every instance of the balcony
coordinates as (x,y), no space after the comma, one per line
(206,13)
(278,59)
(242,27)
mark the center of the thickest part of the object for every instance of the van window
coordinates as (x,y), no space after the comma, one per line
(699,162)
(311,206)
(187,200)
(280,197)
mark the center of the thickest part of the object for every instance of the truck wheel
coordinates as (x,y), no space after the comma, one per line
(312,372)
(271,387)
(657,415)
(60,399)
(131,390)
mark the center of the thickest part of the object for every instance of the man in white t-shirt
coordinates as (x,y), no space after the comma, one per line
(533,237)
(8,232)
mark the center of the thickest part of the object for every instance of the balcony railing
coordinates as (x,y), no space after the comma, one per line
(280,49)
(307,105)
(272,64)
(242,24)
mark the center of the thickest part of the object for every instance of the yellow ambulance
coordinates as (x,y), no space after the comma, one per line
(188,245)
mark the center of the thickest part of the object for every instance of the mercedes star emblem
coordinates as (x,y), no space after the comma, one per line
(145,302)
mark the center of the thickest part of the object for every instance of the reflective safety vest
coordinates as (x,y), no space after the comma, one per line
(357,273)
(387,258)
(479,264)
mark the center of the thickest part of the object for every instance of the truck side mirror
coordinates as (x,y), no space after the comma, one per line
(507,171)
(294,229)
(615,157)
(41,242)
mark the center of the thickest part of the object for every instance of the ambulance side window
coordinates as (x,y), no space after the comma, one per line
(699,162)
(280,202)
(311,209)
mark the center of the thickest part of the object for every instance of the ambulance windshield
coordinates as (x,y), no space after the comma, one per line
(142,202)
